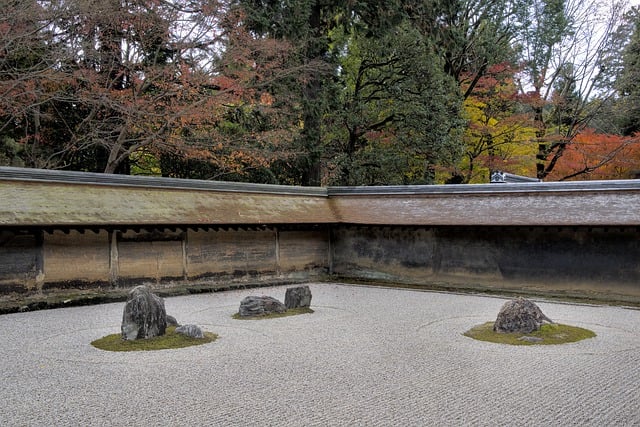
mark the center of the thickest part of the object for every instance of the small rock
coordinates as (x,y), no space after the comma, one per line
(260,306)
(299,296)
(192,331)
(171,321)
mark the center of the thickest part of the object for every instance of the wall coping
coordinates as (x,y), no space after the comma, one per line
(74,177)
(495,188)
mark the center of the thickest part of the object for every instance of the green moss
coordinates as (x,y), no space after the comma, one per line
(290,312)
(548,334)
(171,339)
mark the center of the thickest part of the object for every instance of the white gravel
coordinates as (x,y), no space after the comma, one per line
(368,356)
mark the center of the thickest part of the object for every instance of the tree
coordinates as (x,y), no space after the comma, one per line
(399,114)
(628,78)
(101,85)
(469,36)
(364,119)
(25,59)
(309,92)
(306,24)
(562,44)
(499,136)
(593,155)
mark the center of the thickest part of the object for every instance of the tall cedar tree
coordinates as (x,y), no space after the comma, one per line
(628,82)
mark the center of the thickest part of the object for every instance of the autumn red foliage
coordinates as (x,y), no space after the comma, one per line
(596,156)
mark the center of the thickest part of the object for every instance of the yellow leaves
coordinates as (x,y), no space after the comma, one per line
(144,163)
(496,138)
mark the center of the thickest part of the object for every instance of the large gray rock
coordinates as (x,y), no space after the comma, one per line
(192,331)
(297,297)
(260,306)
(144,315)
(520,315)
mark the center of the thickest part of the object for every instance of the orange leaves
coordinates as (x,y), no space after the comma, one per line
(599,156)
(118,78)
(266,98)
(230,160)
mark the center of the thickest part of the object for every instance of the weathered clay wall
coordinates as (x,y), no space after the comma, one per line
(301,250)
(602,260)
(234,253)
(63,229)
(154,255)
(20,261)
(257,253)
(57,260)
(75,257)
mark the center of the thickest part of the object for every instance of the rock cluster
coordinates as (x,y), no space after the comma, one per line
(520,315)
(298,297)
(260,306)
(144,315)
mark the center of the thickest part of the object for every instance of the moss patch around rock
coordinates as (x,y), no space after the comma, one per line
(549,334)
(171,339)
